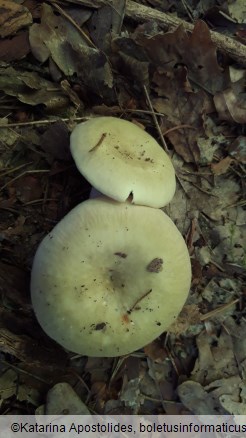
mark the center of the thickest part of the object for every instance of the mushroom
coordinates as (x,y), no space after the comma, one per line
(110,277)
(121,160)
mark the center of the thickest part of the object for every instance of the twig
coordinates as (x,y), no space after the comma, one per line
(38,201)
(21,175)
(41,122)
(7,172)
(138,301)
(69,18)
(104,134)
(20,370)
(218,310)
(140,13)
(73,119)
(178,127)
(155,120)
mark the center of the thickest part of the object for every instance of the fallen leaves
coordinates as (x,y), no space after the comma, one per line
(216,386)
(13,17)
(231,103)
(31,88)
(70,49)
(222,166)
(14,48)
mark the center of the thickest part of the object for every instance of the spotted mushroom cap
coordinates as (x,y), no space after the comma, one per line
(110,278)
(121,160)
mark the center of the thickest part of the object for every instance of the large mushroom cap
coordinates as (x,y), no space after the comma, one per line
(120,159)
(110,278)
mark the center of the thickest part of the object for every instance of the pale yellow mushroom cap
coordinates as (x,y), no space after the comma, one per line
(120,159)
(110,278)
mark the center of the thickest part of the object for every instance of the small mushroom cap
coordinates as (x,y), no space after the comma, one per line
(120,160)
(110,278)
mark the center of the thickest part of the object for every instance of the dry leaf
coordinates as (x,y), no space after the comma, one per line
(231,103)
(189,316)
(14,48)
(31,88)
(13,17)
(238,149)
(72,53)
(156,351)
(222,166)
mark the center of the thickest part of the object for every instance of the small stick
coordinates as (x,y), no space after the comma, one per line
(155,120)
(218,310)
(21,175)
(99,142)
(138,301)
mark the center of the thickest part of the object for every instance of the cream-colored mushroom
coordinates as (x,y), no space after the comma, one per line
(121,160)
(110,277)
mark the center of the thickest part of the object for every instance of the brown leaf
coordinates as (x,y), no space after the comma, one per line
(155,351)
(222,166)
(238,149)
(180,108)
(99,26)
(28,188)
(196,51)
(189,315)
(13,17)
(55,141)
(231,103)
(29,350)
(15,48)
(197,274)
(132,60)
(17,229)
(58,39)
(202,60)
(14,284)
(33,6)
(31,88)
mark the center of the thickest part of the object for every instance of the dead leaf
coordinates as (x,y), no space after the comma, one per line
(197,273)
(11,385)
(28,188)
(237,149)
(156,351)
(32,89)
(188,317)
(14,286)
(131,395)
(57,38)
(13,17)
(180,108)
(16,229)
(196,51)
(231,406)
(14,48)
(62,399)
(231,103)
(100,25)
(55,142)
(222,166)
(237,10)
(133,62)
(196,399)
(216,359)
(29,350)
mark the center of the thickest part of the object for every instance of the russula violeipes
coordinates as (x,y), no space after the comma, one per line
(110,277)
(121,160)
